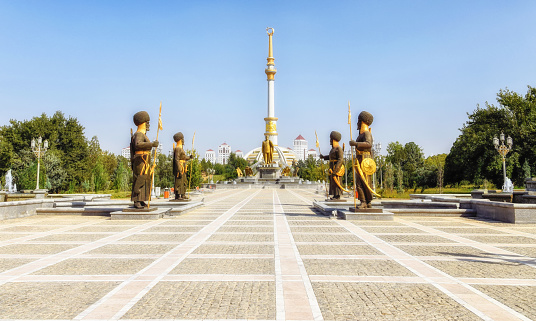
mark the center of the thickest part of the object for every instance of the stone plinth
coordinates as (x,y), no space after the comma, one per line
(369,214)
(133,214)
(268,171)
(506,212)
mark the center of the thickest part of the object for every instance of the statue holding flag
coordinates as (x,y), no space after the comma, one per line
(365,165)
(140,160)
(180,167)
(336,165)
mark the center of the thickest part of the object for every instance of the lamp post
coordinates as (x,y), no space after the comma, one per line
(377,149)
(503,150)
(39,148)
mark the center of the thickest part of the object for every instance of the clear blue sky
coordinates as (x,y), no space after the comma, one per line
(417,66)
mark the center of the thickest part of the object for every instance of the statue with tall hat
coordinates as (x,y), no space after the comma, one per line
(365,163)
(180,167)
(267,151)
(336,165)
(140,160)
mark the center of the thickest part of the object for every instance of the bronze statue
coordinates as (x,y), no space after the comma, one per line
(336,165)
(140,159)
(248,171)
(267,150)
(363,148)
(286,171)
(180,167)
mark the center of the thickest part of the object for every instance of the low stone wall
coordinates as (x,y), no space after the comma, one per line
(505,212)
(9,210)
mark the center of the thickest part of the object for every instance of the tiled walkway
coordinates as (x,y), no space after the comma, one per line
(264,254)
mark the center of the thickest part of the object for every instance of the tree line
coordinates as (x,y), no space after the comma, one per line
(74,163)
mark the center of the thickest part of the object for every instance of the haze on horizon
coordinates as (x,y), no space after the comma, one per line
(418,66)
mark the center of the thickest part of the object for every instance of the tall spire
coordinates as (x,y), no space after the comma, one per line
(271,120)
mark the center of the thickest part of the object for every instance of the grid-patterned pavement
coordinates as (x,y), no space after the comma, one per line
(264,254)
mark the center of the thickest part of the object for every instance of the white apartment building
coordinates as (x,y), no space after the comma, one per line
(300,148)
(224,151)
(312,152)
(239,153)
(210,156)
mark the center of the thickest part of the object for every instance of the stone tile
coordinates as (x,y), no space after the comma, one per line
(377,223)
(10,236)
(163,237)
(469,230)
(318,229)
(113,266)
(102,228)
(337,250)
(207,300)
(29,228)
(249,223)
(499,239)
(180,221)
(25,249)
(314,222)
(234,249)
(390,301)
(485,269)
(326,238)
(126,249)
(245,229)
(241,238)
(72,237)
(8,264)
(361,267)
(50,300)
(173,229)
(252,217)
(393,229)
(441,223)
(431,250)
(526,251)
(400,238)
(225,266)
(519,298)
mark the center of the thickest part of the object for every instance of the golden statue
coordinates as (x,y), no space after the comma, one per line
(267,150)
(286,171)
(239,172)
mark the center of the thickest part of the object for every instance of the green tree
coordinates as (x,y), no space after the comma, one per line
(55,174)
(163,176)
(122,175)
(472,156)
(193,175)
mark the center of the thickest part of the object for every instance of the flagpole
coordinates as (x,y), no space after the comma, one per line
(321,164)
(154,159)
(352,150)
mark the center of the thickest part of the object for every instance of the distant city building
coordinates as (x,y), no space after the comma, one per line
(239,153)
(210,156)
(224,151)
(125,152)
(348,153)
(311,152)
(300,148)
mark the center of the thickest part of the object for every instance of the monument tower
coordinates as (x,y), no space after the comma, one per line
(271,120)
(282,157)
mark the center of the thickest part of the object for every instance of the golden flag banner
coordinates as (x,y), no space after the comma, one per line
(317,143)
(160,118)
(349,114)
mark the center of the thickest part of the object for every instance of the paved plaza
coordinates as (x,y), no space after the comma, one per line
(265,254)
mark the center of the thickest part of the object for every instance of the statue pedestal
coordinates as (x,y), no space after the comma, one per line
(269,171)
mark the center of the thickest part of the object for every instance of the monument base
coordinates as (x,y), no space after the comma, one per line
(145,209)
(369,214)
(182,200)
(269,172)
(130,214)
